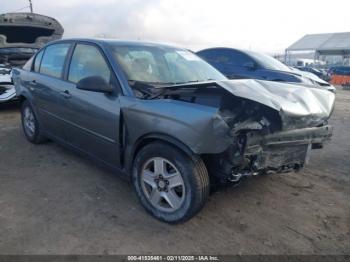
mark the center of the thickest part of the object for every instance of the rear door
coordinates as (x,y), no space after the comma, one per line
(92,118)
(45,85)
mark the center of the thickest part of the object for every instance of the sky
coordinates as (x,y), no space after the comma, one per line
(268,26)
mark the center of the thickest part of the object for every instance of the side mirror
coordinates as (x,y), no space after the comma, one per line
(250,66)
(95,84)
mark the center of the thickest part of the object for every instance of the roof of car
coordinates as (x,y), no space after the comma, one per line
(243,51)
(216,48)
(115,42)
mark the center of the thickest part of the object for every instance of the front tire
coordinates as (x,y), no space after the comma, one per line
(31,128)
(171,185)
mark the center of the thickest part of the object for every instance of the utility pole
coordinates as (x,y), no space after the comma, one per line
(31,6)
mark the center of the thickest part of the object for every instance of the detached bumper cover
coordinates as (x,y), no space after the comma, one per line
(311,135)
(287,149)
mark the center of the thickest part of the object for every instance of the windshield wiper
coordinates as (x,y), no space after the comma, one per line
(149,90)
(155,84)
(151,83)
(187,82)
(194,81)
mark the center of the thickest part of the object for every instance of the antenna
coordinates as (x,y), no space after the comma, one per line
(31,6)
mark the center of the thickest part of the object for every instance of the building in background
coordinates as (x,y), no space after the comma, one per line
(320,50)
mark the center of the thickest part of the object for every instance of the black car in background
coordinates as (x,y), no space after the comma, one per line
(318,72)
(239,64)
(339,70)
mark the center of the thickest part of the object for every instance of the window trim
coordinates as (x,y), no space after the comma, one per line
(36,55)
(115,78)
(64,63)
(69,62)
(114,81)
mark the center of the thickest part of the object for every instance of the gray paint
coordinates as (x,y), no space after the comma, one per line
(109,126)
(199,127)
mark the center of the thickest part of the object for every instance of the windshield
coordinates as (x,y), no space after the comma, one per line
(269,62)
(163,65)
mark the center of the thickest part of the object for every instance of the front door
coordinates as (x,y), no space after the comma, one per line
(92,118)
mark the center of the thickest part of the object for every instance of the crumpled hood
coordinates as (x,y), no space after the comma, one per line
(298,106)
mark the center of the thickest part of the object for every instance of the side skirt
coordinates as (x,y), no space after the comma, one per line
(100,162)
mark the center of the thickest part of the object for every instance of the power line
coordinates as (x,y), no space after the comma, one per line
(17,9)
(31,6)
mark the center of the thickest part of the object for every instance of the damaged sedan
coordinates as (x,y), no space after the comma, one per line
(21,35)
(166,119)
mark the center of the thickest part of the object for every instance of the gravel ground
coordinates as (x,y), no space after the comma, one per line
(53,201)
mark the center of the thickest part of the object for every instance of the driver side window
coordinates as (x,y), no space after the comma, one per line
(88,61)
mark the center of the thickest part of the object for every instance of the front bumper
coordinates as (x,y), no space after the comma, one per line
(285,150)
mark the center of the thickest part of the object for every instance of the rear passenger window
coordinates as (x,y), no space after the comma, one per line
(37,61)
(225,57)
(238,58)
(88,61)
(53,60)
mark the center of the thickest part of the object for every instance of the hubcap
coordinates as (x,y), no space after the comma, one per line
(162,184)
(29,121)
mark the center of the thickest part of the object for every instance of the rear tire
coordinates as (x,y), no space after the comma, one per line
(171,185)
(31,127)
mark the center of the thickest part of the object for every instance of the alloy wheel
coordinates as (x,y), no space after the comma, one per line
(163,185)
(29,121)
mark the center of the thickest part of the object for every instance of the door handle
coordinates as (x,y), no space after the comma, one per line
(66,94)
(33,82)
(31,85)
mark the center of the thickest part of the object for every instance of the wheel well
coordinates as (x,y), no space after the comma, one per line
(21,99)
(163,139)
(175,143)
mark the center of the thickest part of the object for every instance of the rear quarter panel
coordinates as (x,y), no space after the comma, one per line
(21,78)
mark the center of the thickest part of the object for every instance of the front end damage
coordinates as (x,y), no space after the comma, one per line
(269,126)
(278,131)
(255,153)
